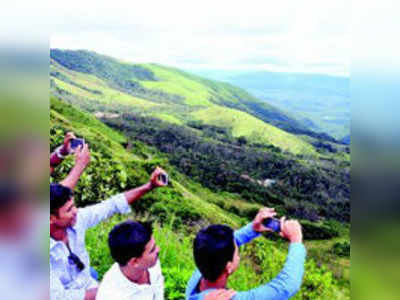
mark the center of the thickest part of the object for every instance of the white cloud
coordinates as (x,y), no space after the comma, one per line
(302,36)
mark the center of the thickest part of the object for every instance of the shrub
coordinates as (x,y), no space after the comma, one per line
(341,248)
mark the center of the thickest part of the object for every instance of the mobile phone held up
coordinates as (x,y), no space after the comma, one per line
(163,177)
(273,224)
(75,143)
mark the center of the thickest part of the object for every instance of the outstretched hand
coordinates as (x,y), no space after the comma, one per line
(220,294)
(291,230)
(67,145)
(82,156)
(155,177)
(263,214)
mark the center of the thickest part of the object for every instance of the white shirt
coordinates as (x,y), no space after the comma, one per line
(66,282)
(116,286)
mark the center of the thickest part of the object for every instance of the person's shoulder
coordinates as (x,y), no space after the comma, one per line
(113,271)
(108,286)
(155,271)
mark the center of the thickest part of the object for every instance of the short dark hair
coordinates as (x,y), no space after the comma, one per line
(213,248)
(128,240)
(59,195)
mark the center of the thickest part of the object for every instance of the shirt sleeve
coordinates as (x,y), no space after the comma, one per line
(58,292)
(288,281)
(92,215)
(245,234)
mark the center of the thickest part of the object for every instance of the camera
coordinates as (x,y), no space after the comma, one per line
(273,224)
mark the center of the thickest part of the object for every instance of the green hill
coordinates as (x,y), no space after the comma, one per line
(178,211)
(100,83)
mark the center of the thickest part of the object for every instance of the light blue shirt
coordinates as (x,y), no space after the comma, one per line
(66,282)
(283,286)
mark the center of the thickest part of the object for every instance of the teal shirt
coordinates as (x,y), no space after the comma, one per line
(283,286)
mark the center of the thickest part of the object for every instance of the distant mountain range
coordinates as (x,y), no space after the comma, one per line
(320,102)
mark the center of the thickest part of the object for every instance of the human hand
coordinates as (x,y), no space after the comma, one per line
(263,214)
(291,230)
(82,156)
(220,294)
(155,177)
(66,148)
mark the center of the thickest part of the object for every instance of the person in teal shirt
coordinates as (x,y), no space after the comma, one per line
(216,253)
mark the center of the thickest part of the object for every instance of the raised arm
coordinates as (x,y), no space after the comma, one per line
(288,281)
(59,154)
(120,203)
(136,193)
(82,159)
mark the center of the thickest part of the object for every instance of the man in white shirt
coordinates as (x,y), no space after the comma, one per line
(136,273)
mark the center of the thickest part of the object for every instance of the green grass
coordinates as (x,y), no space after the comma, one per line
(257,131)
(169,81)
(105,93)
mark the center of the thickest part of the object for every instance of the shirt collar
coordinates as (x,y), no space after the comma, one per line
(54,243)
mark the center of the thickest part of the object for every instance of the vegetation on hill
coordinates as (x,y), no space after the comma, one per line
(221,161)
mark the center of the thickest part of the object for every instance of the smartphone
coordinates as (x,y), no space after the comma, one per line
(163,177)
(273,224)
(75,143)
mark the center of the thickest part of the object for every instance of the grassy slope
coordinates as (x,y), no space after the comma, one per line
(243,124)
(183,197)
(104,94)
(198,94)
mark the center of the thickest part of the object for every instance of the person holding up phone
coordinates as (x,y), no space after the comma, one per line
(75,146)
(216,253)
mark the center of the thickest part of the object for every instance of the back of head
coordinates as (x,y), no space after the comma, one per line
(59,195)
(128,240)
(213,248)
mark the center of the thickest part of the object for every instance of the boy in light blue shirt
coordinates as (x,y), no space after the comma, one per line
(216,253)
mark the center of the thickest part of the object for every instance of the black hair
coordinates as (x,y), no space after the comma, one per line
(128,240)
(213,248)
(59,195)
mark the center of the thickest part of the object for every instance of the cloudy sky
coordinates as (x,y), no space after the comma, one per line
(294,36)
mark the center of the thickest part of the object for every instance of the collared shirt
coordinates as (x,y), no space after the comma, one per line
(66,282)
(282,287)
(116,286)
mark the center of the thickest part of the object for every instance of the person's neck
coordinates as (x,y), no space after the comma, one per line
(59,233)
(220,283)
(138,276)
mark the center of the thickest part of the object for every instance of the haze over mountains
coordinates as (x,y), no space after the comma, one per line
(321,102)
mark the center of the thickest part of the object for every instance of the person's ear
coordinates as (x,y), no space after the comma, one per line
(133,262)
(53,219)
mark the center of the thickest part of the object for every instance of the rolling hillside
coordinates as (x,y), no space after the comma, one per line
(99,83)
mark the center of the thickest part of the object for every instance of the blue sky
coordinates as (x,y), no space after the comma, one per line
(289,36)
